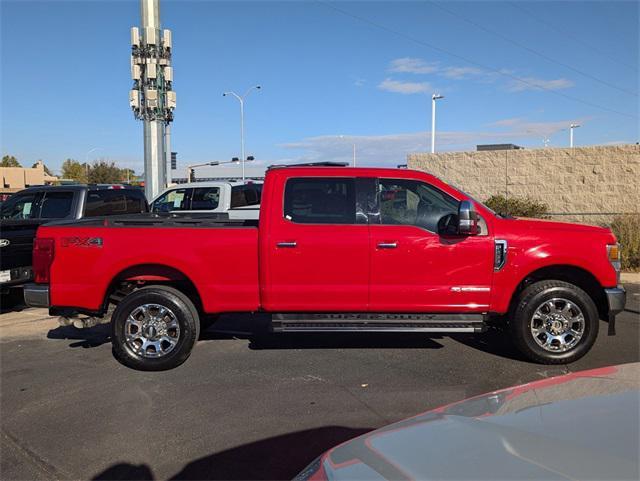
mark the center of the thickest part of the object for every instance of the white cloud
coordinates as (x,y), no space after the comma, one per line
(459,73)
(407,88)
(533,83)
(359,82)
(412,65)
(507,122)
(522,126)
(392,149)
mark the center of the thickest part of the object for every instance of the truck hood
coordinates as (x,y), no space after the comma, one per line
(579,426)
(544,224)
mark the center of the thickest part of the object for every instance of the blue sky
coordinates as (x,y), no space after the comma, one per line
(332,75)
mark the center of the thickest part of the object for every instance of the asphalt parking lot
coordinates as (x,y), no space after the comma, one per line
(240,407)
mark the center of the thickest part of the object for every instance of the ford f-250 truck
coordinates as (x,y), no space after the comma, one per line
(336,249)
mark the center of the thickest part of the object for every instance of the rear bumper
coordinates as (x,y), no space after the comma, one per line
(17,276)
(616,300)
(36,295)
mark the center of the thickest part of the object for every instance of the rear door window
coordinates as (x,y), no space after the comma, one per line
(205,198)
(135,202)
(56,205)
(246,195)
(320,201)
(113,202)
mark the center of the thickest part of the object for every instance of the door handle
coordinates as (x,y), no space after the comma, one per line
(387,245)
(287,244)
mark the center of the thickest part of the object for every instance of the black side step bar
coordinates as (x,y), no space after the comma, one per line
(378,322)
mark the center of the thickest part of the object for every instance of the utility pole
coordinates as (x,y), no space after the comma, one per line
(434,97)
(571,127)
(152,98)
(354,155)
(167,153)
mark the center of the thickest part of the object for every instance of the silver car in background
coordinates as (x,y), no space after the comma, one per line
(583,425)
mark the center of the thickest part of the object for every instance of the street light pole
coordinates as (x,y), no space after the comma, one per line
(241,100)
(434,97)
(86,161)
(571,127)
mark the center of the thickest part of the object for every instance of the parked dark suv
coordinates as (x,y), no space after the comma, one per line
(23,212)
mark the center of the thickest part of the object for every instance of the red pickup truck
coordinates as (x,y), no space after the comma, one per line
(335,249)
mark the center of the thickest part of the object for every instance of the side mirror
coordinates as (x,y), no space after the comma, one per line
(467,219)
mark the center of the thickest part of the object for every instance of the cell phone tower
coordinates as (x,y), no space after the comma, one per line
(152,98)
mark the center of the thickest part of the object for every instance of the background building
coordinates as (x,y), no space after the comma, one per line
(17,178)
(222,172)
(587,184)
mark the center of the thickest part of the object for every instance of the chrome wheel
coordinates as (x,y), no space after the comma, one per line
(557,325)
(151,330)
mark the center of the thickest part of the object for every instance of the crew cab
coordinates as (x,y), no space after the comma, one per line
(239,200)
(26,210)
(336,249)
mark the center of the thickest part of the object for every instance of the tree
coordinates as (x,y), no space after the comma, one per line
(74,170)
(9,161)
(46,170)
(127,175)
(103,172)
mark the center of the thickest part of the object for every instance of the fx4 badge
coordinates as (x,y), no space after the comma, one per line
(81,242)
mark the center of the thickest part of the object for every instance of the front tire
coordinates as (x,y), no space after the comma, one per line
(554,322)
(154,329)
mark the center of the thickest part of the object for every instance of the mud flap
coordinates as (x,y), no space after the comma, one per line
(612,325)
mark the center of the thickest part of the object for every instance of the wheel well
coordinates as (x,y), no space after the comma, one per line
(573,275)
(135,277)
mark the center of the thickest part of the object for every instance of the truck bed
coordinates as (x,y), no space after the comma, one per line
(218,255)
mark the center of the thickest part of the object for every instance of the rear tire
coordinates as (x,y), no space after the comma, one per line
(154,328)
(554,322)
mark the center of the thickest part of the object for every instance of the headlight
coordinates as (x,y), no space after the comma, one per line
(614,255)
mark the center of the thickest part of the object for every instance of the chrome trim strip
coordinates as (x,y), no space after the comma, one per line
(287,244)
(469,289)
(452,330)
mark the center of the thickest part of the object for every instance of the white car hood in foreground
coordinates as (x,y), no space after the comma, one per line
(579,426)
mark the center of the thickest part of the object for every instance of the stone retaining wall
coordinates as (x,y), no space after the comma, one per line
(587,184)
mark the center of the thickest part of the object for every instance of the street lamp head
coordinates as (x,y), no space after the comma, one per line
(437,96)
(235,159)
(250,158)
(258,86)
(215,162)
(574,126)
